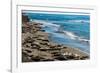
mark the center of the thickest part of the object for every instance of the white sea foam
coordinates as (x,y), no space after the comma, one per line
(58,29)
(84,40)
(46,23)
(75,37)
(70,34)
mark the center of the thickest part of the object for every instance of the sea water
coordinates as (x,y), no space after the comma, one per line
(70,30)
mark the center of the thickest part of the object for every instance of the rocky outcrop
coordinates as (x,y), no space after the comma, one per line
(25,18)
(36,46)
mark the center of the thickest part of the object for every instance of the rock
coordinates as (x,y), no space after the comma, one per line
(59,45)
(76,55)
(56,53)
(34,37)
(45,48)
(71,57)
(29,51)
(35,45)
(25,29)
(43,43)
(84,57)
(61,57)
(25,57)
(36,58)
(25,18)
(28,45)
(47,60)
(41,38)
(42,30)
(40,33)
(66,53)
(29,40)
(64,47)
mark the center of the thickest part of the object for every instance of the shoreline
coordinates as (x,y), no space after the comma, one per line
(37,47)
(57,29)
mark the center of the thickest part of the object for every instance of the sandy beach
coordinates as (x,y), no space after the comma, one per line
(37,47)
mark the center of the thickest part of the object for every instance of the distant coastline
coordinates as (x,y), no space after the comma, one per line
(37,47)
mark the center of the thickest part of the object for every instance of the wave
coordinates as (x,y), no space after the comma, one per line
(55,28)
(46,23)
(84,40)
(75,37)
(67,21)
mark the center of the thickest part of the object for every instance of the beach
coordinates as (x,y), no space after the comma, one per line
(37,47)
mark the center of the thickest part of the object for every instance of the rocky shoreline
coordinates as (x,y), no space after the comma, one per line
(37,47)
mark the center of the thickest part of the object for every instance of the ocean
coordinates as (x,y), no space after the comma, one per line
(69,30)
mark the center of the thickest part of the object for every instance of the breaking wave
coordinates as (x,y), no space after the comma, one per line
(55,28)
(75,37)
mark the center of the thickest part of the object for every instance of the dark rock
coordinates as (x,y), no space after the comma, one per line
(29,40)
(36,58)
(46,40)
(52,46)
(34,37)
(25,18)
(56,54)
(28,45)
(43,43)
(25,29)
(43,49)
(25,57)
(61,57)
(84,57)
(41,38)
(29,51)
(47,60)
(59,45)
(42,30)
(70,57)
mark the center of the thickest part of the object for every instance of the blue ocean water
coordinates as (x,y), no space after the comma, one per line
(70,30)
